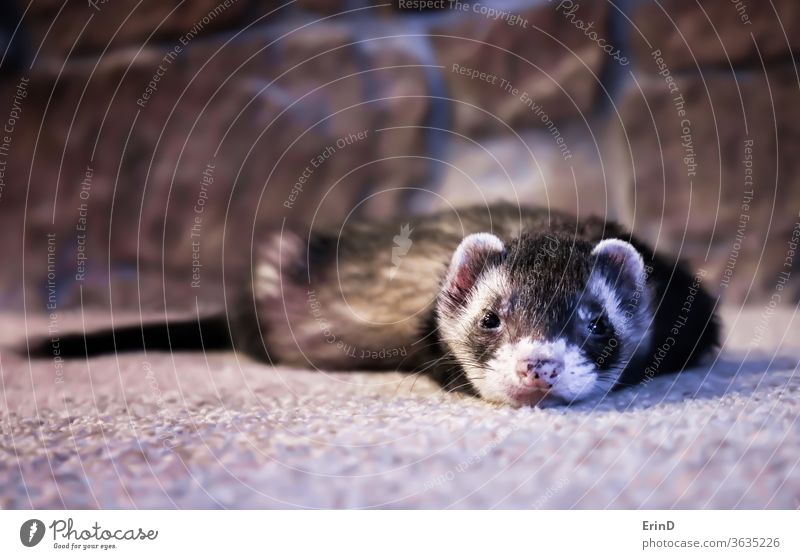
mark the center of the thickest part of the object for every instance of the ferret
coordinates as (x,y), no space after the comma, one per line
(519,306)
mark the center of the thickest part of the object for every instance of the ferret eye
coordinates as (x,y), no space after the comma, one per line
(599,326)
(490,321)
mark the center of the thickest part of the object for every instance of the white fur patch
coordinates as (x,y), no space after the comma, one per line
(492,283)
(631,319)
(278,251)
(267,281)
(577,379)
(611,303)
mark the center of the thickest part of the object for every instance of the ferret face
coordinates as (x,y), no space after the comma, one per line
(544,319)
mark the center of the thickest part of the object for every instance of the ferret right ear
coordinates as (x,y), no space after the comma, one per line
(469,260)
(625,264)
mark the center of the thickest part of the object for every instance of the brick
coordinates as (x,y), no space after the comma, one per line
(696,211)
(691,33)
(90,28)
(253,104)
(544,55)
(529,169)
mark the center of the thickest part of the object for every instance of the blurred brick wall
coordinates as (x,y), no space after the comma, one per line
(404,111)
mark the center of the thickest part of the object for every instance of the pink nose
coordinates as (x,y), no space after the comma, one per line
(539,373)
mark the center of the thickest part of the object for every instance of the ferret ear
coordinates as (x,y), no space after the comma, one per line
(467,263)
(621,261)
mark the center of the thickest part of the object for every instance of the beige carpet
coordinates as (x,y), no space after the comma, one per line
(194,431)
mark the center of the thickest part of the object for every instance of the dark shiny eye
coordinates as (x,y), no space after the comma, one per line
(599,326)
(490,321)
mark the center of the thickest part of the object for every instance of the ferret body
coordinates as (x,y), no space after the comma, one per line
(517,305)
(520,306)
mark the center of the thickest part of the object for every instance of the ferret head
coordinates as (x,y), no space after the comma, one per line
(545,318)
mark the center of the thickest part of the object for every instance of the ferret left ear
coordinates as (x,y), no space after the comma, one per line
(467,264)
(623,261)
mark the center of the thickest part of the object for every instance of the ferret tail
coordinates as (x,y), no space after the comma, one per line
(204,334)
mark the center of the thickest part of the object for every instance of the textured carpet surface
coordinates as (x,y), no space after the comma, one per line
(195,431)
